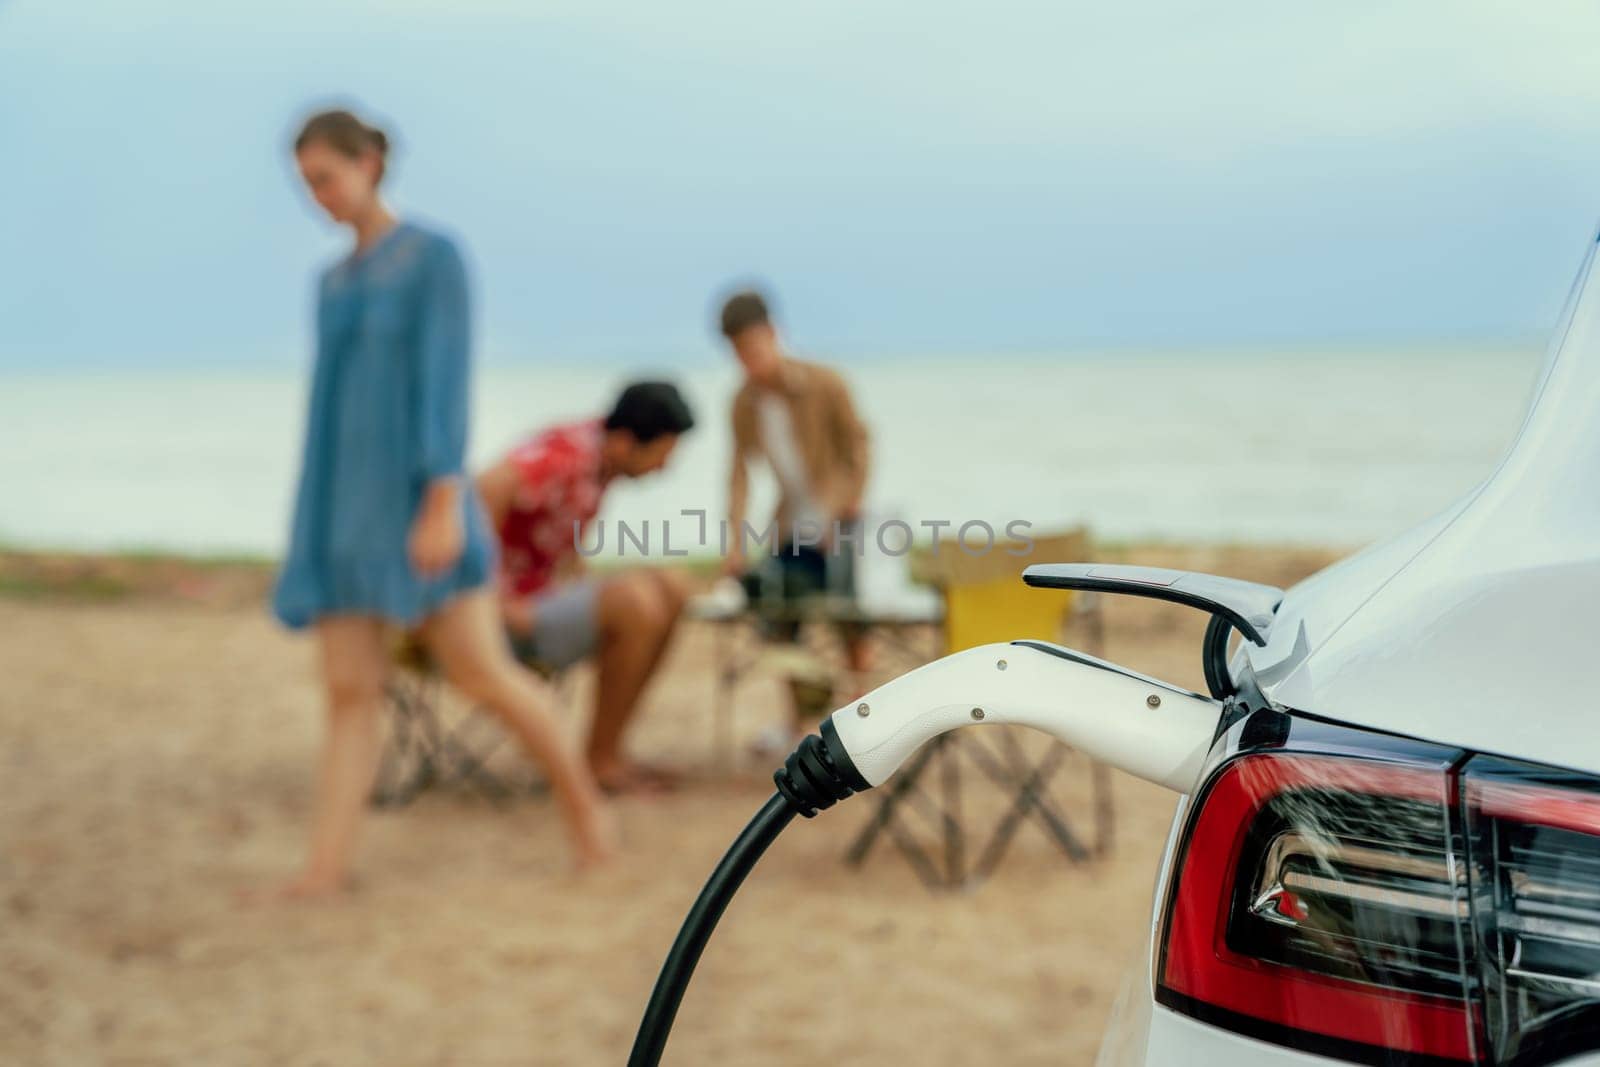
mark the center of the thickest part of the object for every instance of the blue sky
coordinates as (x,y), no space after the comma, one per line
(1006,176)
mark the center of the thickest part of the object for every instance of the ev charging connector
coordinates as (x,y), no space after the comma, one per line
(1148,728)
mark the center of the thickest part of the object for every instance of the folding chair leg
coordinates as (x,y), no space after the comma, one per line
(954,842)
(1035,792)
(469,766)
(926,869)
(899,786)
(406,763)
(722,700)
(1105,812)
(946,868)
(431,747)
(387,790)
(1031,796)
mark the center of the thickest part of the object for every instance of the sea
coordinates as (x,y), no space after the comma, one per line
(1328,446)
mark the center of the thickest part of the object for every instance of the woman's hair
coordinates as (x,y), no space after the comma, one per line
(345,133)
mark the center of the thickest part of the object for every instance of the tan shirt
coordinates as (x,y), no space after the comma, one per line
(831,439)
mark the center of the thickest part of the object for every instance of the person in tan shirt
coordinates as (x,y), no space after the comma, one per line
(797,418)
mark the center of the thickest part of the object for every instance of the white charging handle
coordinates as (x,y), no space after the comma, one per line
(1146,727)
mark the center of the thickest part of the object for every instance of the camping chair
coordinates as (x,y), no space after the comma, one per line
(985,601)
(431,743)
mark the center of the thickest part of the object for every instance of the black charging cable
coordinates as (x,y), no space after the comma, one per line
(1214,654)
(816,776)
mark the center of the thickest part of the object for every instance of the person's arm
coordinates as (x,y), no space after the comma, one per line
(437,533)
(496,486)
(517,612)
(738,492)
(444,351)
(854,447)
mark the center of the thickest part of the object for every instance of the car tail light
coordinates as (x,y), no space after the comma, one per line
(1533,837)
(1319,896)
(1381,901)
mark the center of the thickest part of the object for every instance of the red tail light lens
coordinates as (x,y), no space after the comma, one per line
(1318,899)
(1533,837)
(1386,901)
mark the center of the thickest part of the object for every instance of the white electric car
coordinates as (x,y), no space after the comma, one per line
(1387,849)
(1392,853)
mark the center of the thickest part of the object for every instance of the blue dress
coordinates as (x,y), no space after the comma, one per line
(388,415)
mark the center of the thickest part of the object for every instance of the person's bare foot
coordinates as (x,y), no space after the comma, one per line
(630,776)
(304,888)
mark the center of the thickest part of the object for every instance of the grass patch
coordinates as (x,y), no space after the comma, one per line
(98,588)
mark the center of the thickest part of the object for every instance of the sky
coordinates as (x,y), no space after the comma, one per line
(908,178)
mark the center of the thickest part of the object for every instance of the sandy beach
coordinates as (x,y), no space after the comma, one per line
(160,735)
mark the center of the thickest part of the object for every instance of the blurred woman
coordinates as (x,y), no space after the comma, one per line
(387,529)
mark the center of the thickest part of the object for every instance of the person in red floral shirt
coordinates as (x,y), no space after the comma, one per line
(540,497)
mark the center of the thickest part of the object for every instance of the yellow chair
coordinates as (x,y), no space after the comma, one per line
(985,601)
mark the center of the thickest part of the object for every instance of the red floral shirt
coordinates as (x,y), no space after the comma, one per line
(558,493)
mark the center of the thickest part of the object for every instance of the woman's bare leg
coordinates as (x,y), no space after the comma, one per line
(353,670)
(467,638)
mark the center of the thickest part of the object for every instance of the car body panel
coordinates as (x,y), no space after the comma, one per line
(1475,628)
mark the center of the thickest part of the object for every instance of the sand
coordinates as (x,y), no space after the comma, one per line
(158,755)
